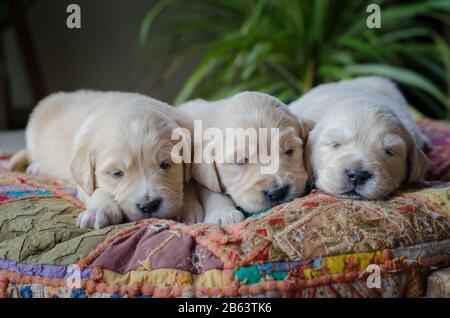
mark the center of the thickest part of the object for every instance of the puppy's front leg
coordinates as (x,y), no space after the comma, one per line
(219,208)
(101,211)
(192,209)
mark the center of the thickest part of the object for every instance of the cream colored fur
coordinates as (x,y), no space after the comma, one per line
(362,123)
(228,187)
(86,136)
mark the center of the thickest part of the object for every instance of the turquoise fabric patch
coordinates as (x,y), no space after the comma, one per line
(250,274)
(255,273)
(20,194)
(256,215)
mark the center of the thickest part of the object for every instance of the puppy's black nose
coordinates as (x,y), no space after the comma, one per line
(358,176)
(149,207)
(277,195)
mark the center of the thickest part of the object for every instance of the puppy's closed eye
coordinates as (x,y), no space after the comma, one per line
(289,152)
(389,152)
(117,173)
(335,145)
(164,165)
(333,138)
(393,145)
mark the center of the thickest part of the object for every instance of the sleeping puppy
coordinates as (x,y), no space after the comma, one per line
(116,147)
(231,187)
(365,143)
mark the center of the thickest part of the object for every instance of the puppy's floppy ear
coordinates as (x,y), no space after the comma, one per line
(187,162)
(305,126)
(417,160)
(187,159)
(187,172)
(307,158)
(204,172)
(83,169)
(187,140)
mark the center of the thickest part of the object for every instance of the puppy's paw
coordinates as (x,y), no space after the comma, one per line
(34,168)
(86,219)
(224,217)
(192,217)
(108,214)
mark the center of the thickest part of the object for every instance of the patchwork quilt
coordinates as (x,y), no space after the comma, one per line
(315,246)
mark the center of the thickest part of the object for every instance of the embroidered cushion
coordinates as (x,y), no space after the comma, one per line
(439,153)
(316,246)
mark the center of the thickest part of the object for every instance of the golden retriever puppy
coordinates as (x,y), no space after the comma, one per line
(231,186)
(365,143)
(117,148)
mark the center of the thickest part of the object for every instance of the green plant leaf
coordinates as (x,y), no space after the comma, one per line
(287,46)
(149,18)
(201,72)
(444,50)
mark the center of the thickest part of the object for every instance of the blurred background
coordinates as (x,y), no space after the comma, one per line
(176,50)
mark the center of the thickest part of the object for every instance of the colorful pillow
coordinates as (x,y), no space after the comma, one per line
(316,246)
(439,152)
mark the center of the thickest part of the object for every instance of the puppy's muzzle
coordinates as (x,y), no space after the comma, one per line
(149,207)
(358,176)
(277,195)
